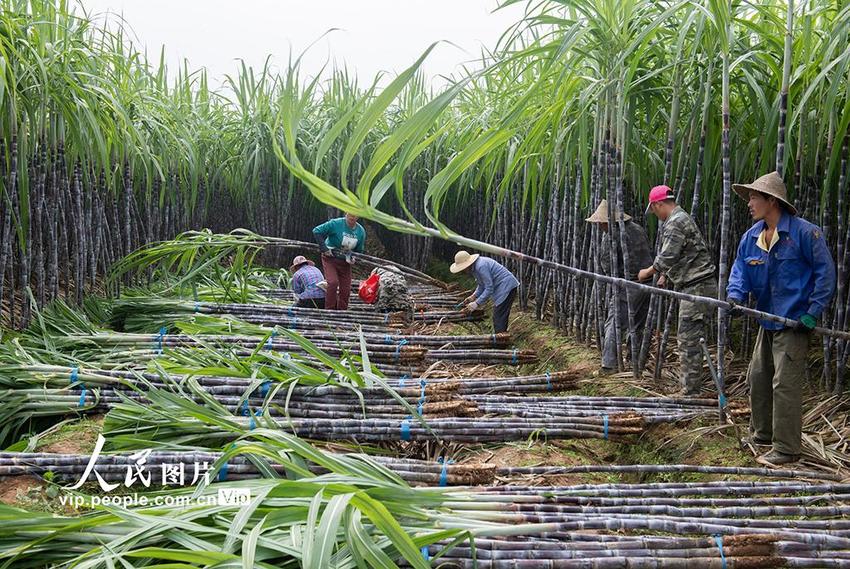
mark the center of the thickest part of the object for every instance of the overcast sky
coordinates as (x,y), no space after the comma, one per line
(374,35)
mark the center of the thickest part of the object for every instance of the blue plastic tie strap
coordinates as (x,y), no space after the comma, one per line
(425,554)
(718,539)
(269,341)
(444,472)
(197,307)
(264,388)
(405,429)
(222,473)
(75,374)
(605,427)
(290,312)
(387,318)
(721,399)
(398,346)
(252,424)
(514,359)
(388,339)
(548,381)
(422,384)
(401,380)
(162,332)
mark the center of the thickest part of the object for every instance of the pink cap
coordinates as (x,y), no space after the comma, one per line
(659,194)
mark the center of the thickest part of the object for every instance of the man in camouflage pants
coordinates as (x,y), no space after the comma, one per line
(392,291)
(684,260)
(640,255)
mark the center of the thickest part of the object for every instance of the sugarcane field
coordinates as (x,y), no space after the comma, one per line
(520,284)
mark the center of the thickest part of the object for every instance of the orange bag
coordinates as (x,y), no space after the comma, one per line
(368,290)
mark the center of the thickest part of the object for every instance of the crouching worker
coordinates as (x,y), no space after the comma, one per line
(495,283)
(393,295)
(305,283)
(784,262)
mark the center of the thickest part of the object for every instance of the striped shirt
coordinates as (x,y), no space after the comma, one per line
(304,283)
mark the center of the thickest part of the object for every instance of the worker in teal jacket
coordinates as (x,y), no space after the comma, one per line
(337,239)
(784,262)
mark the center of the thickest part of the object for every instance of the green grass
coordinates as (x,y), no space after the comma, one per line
(78,437)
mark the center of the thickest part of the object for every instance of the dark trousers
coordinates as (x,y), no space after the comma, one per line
(776,375)
(338,276)
(502,312)
(310,303)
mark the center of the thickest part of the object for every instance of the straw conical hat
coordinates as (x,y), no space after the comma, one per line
(601,214)
(463,260)
(770,184)
(298,261)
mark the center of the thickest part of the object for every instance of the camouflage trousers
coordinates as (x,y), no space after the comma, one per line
(619,316)
(693,325)
(392,294)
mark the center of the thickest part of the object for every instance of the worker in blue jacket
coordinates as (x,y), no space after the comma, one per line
(495,282)
(784,262)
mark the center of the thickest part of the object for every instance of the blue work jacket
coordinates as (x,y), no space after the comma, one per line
(796,277)
(493,280)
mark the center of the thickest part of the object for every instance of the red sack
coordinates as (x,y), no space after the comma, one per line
(368,290)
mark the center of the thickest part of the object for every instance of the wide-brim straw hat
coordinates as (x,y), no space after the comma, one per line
(300,260)
(601,214)
(463,260)
(769,184)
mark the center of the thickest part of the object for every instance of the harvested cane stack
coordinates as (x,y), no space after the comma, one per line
(60,376)
(52,402)
(401,350)
(68,468)
(134,314)
(653,409)
(359,431)
(380,352)
(112,468)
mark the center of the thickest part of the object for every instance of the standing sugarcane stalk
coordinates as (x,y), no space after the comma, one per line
(723,267)
(783,92)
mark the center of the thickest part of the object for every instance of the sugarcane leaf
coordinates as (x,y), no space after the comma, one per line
(326,536)
(249,545)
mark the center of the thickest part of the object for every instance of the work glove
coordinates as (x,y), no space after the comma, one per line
(735,309)
(468,299)
(471,306)
(806,323)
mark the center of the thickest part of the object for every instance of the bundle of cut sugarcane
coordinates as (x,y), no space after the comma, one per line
(52,402)
(500,340)
(187,466)
(557,506)
(456,429)
(515,471)
(125,309)
(653,409)
(112,467)
(401,348)
(400,352)
(590,550)
(59,376)
(502,357)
